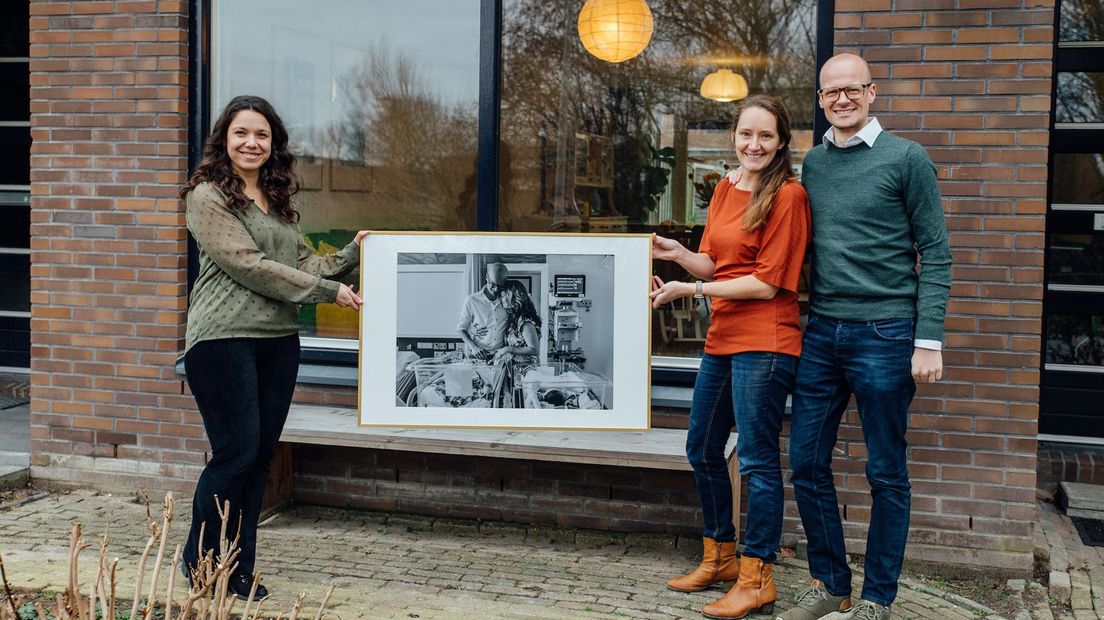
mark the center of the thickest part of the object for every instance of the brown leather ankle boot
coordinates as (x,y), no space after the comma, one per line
(719,563)
(753,592)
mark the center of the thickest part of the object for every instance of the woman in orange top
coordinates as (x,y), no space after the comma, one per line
(750,258)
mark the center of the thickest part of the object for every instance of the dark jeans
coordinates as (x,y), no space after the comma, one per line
(748,389)
(243,388)
(873,360)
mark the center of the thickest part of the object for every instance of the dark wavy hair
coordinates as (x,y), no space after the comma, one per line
(779,171)
(522,308)
(277,178)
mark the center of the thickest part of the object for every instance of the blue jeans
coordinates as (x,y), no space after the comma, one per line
(873,360)
(243,388)
(748,389)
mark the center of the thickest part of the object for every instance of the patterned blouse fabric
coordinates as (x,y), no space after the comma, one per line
(254,271)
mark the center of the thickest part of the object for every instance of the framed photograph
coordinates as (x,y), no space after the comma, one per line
(505,330)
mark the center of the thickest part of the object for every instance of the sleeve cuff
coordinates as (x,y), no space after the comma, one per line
(934,345)
(330,287)
(350,254)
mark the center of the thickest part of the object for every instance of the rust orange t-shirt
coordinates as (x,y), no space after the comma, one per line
(773,254)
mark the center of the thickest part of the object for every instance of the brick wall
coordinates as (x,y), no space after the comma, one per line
(535,492)
(108,255)
(971,81)
(1066,463)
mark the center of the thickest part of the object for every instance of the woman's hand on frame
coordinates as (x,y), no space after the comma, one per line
(666,292)
(665,249)
(346,298)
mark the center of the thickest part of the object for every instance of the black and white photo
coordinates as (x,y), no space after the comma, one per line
(510,333)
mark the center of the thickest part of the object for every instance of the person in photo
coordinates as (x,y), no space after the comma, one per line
(749,264)
(483,318)
(242,340)
(521,339)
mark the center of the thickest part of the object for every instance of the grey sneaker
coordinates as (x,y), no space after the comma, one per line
(814,603)
(865,610)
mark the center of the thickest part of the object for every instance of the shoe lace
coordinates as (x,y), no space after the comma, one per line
(866,610)
(811,595)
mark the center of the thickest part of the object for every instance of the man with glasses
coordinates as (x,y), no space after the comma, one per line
(482,324)
(875,328)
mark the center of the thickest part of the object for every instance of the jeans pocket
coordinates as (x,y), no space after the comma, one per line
(895,330)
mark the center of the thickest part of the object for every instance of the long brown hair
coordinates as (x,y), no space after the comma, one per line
(780,169)
(277,179)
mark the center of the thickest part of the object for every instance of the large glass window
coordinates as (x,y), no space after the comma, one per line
(590,145)
(381,101)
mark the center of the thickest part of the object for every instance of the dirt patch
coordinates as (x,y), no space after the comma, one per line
(12,498)
(993,592)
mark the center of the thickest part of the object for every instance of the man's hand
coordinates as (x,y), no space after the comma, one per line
(733,176)
(927,365)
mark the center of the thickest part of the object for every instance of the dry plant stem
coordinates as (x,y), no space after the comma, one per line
(74,604)
(40,611)
(153,527)
(7,589)
(298,605)
(166,522)
(252,593)
(172,583)
(101,568)
(111,600)
(325,601)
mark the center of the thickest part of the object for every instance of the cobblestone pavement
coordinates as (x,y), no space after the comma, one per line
(408,567)
(1076,571)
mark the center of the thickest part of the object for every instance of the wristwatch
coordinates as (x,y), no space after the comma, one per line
(698,294)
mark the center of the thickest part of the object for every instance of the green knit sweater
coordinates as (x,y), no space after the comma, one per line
(874,208)
(254,271)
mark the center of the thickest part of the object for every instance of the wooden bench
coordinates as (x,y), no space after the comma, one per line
(662,449)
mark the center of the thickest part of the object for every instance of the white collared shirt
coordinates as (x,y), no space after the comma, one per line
(868,135)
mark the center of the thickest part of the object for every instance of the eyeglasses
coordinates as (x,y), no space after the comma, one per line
(851,91)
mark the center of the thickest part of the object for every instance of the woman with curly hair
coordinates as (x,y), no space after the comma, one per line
(242,349)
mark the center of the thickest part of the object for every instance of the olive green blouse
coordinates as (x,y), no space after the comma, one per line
(254,271)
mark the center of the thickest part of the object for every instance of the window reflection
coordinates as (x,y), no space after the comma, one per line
(1079,97)
(1075,339)
(594,146)
(1078,178)
(1077,259)
(380,100)
(1081,20)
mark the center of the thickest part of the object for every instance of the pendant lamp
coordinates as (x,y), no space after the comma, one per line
(615,30)
(724,85)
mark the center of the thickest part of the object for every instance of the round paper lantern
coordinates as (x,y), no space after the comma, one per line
(615,30)
(724,85)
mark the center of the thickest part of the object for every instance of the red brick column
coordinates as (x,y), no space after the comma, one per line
(109,89)
(971,81)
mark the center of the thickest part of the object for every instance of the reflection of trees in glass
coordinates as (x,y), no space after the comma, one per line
(552,88)
(1081,20)
(1075,339)
(420,150)
(1079,97)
